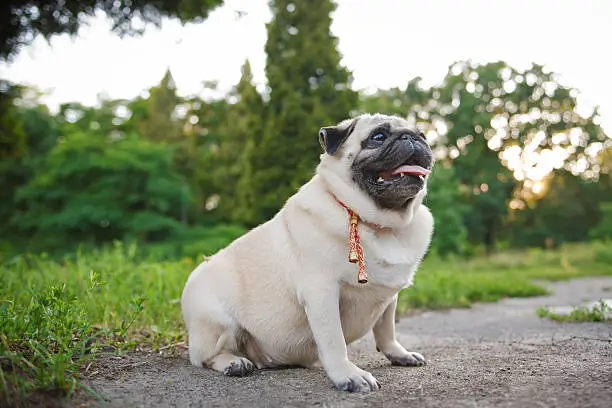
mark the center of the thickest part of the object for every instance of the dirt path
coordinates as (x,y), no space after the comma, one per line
(499,355)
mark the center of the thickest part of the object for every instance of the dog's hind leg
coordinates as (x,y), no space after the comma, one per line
(213,331)
(206,340)
(231,365)
(213,345)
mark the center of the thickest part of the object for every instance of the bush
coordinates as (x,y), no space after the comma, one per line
(194,242)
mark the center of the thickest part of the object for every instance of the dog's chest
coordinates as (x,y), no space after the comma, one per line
(361,306)
(390,267)
(389,259)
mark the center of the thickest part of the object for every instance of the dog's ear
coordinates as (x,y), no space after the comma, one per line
(332,137)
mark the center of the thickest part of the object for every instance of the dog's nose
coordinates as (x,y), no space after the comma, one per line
(407,141)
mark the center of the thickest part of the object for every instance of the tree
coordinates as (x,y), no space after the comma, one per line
(22,20)
(504,131)
(234,165)
(161,118)
(566,213)
(605,163)
(603,230)
(41,130)
(501,124)
(308,89)
(29,132)
(13,146)
(444,200)
(12,137)
(407,103)
(110,118)
(160,123)
(95,190)
(197,154)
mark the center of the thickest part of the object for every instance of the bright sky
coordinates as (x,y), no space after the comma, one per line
(385,43)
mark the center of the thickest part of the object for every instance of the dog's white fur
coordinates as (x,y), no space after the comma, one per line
(286,292)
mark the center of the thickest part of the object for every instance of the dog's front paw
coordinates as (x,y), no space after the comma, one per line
(358,381)
(407,359)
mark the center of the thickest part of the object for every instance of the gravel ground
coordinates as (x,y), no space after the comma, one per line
(492,355)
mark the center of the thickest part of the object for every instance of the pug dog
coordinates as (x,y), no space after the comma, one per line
(285,294)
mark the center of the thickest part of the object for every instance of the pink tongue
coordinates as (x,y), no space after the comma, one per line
(418,170)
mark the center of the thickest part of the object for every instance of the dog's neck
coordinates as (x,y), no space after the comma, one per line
(359,202)
(351,212)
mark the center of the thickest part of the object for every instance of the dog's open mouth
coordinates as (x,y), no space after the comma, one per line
(402,171)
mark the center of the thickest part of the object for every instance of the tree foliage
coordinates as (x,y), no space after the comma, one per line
(159,122)
(22,20)
(308,89)
(566,213)
(26,134)
(92,190)
(236,156)
(444,201)
(12,137)
(504,131)
(516,163)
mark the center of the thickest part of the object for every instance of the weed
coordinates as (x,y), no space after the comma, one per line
(44,342)
(599,312)
(458,283)
(54,317)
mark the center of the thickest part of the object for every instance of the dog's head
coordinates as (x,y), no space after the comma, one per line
(382,155)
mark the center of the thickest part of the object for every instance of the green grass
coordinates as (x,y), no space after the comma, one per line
(57,315)
(597,313)
(458,283)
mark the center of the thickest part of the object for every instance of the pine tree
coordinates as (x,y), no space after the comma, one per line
(308,89)
(198,153)
(235,156)
(160,123)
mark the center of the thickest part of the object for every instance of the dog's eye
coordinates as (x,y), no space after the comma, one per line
(379,137)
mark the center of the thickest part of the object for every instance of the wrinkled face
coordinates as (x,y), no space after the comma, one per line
(388,160)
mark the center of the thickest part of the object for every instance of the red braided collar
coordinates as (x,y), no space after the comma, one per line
(348,209)
(355,247)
